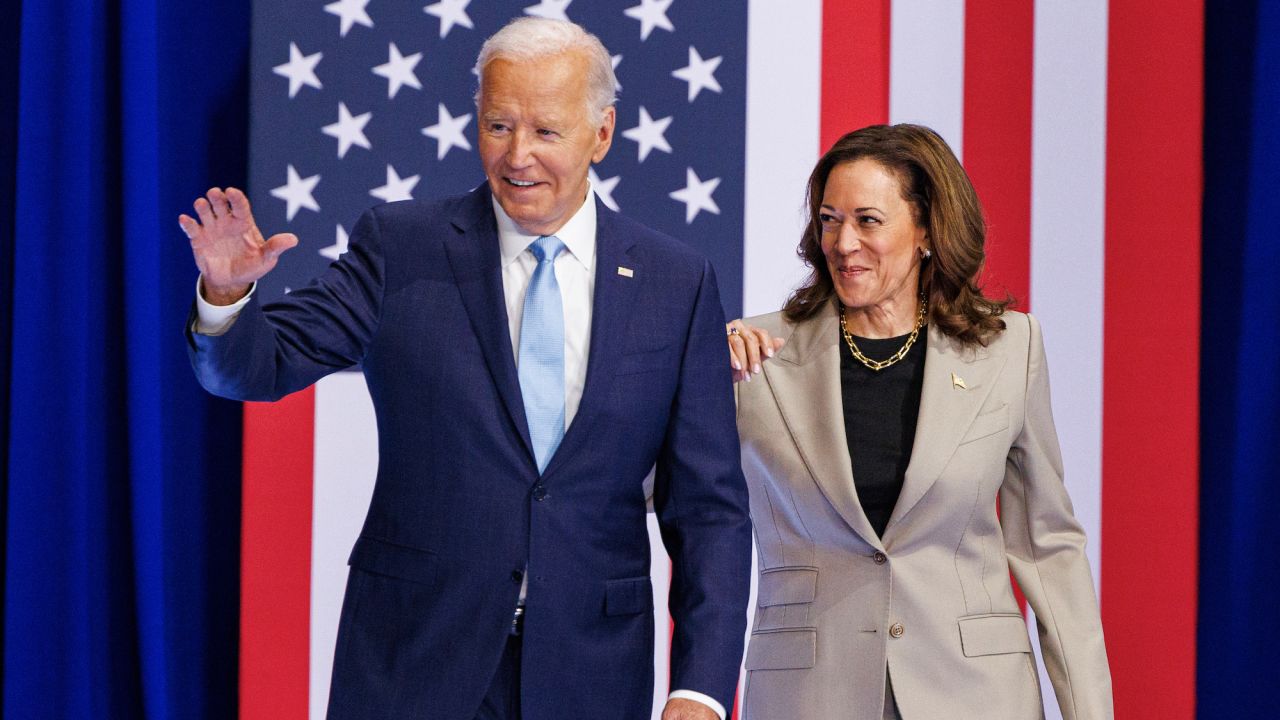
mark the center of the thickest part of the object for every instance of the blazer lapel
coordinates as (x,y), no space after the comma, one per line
(611,311)
(477,270)
(805,381)
(947,409)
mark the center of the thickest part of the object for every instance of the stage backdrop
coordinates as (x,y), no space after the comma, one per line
(1080,124)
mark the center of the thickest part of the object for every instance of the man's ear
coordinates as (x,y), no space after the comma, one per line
(604,134)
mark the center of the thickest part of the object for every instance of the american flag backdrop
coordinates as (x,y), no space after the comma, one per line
(1079,122)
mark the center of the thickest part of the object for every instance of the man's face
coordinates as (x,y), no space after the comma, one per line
(537,140)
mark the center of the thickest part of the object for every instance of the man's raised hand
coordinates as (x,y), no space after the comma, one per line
(228,247)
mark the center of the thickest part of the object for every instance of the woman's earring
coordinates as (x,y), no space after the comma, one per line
(925,253)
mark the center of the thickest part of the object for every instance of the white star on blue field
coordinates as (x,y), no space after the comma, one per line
(358,102)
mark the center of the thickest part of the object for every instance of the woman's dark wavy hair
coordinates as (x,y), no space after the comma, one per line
(943,202)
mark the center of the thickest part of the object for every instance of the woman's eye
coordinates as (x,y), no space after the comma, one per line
(827,219)
(868,220)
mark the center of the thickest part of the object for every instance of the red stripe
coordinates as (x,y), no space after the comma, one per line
(275,573)
(855,66)
(998,62)
(1151,355)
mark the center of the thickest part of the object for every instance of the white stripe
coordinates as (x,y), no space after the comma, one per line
(1068,174)
(346,463)
(926,66)
(784,81)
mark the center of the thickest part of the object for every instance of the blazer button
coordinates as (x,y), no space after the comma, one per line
(880,558)
(896,630)
(539,492)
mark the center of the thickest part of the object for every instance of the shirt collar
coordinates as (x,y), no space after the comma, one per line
(578,235)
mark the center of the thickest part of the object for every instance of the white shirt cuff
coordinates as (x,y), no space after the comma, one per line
(216,319)
(698,697)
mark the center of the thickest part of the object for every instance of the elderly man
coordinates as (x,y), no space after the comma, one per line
(531,356)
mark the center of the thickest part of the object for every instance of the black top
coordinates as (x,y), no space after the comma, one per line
(880,413)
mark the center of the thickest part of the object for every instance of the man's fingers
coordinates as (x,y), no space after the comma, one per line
(239,203)
(218,201)
(204,212)
(277,244)
(189,226)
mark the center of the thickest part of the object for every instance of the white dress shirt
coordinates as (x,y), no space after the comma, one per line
(575,273)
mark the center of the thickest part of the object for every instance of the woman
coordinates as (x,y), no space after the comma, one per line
(876,443)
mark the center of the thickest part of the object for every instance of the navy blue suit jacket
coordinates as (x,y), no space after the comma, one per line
(459,509)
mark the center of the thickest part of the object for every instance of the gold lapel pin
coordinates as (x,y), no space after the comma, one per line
(626,272)
(957,381)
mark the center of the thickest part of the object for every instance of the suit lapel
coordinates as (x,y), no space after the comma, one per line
(946,412)
(612,307)
(477,270)
(805,381)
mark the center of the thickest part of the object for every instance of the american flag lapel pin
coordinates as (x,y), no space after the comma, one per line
(626,271)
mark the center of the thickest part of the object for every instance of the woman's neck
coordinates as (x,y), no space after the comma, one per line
(882,321)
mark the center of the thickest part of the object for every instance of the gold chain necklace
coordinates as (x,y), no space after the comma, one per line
(879,365)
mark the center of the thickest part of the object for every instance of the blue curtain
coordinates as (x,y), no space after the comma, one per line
(121,515)
(1239,628)
(8,177)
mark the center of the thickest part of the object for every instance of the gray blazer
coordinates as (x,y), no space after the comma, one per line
(931,600)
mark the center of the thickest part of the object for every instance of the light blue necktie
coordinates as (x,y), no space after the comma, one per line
(541,362)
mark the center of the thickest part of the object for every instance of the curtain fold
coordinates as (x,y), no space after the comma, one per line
(8,175)
(122,508)
(1239,630)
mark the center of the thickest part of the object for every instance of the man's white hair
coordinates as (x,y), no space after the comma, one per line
(534,38)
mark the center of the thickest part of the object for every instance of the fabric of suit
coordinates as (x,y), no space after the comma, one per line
(459,509)
(831,590)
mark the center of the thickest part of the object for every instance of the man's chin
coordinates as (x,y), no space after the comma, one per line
(527,217)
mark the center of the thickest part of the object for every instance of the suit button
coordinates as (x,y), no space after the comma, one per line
(896,630)
(880,558)
(539,492)
(517,576)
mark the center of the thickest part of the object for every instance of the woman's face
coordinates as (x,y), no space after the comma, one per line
(871,239)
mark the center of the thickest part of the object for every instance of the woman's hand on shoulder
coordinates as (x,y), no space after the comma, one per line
(749,347)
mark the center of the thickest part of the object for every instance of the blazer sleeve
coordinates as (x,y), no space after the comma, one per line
(1046,550)
(700,498)
(273,350)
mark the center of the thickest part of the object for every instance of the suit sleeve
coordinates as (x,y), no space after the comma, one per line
(700,498)
(1046,549)
(273,350)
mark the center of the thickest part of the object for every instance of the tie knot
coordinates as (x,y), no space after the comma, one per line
(546,247)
